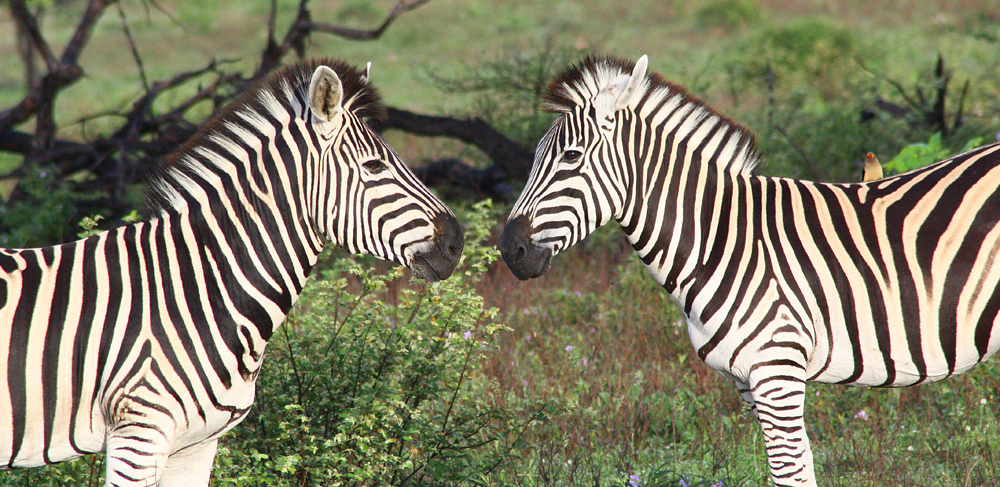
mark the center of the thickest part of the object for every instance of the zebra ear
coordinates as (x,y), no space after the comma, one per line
(326,93)
(368,72)
(634,82)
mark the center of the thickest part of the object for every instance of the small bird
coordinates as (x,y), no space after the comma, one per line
(872,170)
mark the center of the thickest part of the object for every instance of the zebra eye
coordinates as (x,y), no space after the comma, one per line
(572,155)
(374,166)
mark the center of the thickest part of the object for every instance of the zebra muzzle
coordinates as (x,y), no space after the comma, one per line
(439,260)
(524,258)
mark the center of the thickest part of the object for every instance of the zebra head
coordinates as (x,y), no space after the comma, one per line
(574,186)
(362,196)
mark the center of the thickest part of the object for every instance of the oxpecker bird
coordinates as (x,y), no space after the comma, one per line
(872,170)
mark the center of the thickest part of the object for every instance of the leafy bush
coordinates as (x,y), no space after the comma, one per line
(41,217)
(814,56)
(922,154)
(373,386)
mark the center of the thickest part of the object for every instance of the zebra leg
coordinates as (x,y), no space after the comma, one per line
(136,455)
(747,397)
(190,467)
(777,396)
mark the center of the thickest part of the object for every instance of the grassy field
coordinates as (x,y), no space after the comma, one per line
(594,362)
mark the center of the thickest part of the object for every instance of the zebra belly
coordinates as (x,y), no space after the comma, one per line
(32,453)
(899,361)
(35,446)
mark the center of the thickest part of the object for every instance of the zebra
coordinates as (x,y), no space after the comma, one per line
(145,341)
(889,283)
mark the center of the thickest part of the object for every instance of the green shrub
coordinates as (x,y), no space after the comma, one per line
(41,217)
(922,154)
(365,387)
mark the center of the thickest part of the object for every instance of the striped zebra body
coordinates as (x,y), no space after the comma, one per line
(145,341)
(889,283)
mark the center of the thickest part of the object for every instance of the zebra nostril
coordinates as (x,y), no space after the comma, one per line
(519,253)
(452,251)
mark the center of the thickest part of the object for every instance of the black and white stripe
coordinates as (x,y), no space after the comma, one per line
(145,341)
(894,282)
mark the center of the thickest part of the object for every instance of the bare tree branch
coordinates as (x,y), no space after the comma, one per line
(119,159)
(899,88)
(17,142)
(29,24)
(303,26)
(514,159)
(95,8)
(132,47)
(40,99)
(295,37)
(462,180)
(137,120)
(401,7)
(934,111)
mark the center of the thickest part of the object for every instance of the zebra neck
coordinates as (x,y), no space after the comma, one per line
(678,220)
(250,273)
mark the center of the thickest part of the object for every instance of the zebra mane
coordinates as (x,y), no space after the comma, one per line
(284,90)
(582,82)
